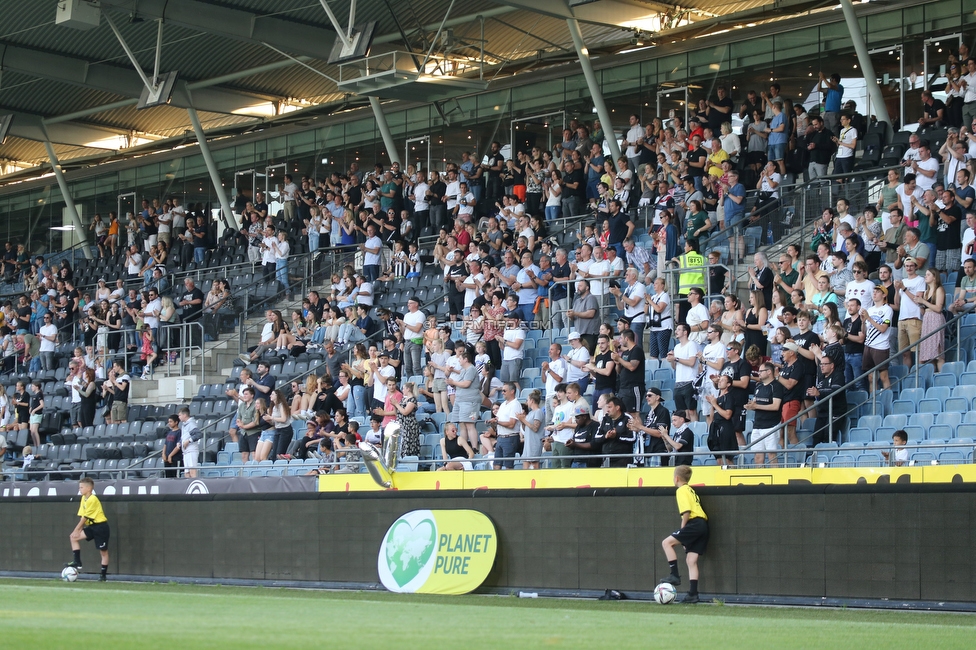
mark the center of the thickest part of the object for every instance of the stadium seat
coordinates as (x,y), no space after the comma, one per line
(966,388)
(903,407)
(930,406)
(842,460)
(923,458)
(924,420)
(860,435)
(938,392)
(941,431)
(896,421)
(870,459)
(955,405)
(952,458)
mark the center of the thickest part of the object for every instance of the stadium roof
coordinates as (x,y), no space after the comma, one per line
(243,63)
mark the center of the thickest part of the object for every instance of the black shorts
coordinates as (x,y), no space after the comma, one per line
(694,536)
(99,533)
(721,437)
(739,419)
(684,397)
(248,443)
(631,397)
(455,304)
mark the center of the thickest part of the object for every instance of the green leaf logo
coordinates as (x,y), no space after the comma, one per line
(409,549)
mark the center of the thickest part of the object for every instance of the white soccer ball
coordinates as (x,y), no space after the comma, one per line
(664,594)
(69,574)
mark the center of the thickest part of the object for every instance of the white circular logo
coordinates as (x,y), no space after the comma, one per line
(197,487)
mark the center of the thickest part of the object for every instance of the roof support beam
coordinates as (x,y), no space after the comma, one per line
(291,36)
(69,203)
(596,93)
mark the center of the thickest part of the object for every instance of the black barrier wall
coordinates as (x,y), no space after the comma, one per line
(898,542)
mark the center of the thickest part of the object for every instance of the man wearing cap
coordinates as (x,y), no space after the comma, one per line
(909,313)
(584,442)
(684,360)
(615,436)
(739,373)
(412,326)
(576,358)
(656,424)
(877,336)
(511,347)
(791,380)
(631,301)
(584,315)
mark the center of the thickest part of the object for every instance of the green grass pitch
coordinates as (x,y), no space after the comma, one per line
(40,614)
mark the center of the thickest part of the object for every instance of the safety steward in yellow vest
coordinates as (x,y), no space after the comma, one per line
(694,276)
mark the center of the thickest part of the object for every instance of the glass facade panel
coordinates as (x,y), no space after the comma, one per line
(791,58)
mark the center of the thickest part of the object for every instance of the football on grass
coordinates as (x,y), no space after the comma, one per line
(664,594)
(70,574)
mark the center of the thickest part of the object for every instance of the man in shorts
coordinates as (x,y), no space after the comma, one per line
(190,442)
(791,379)
(512,349)
(247,426)
(877,337)
(693,534)
(766,403)
(92,526)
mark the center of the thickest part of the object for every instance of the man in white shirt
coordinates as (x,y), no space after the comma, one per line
(684,359)
(133,263)
(151,313)
(844,215)
(926,168)
(554,372)
(577,357)
(908,189)
(525,284)
(860,288)
(451,194)
(465,203)
(912,153)
(371,254)
(909,313)
(289,197)
(969,238)
(877,336)
(268,245)
(363,292)
(412,327)
(598,271)
(634,134)
(846,144)
(421,203)
(697,317)
(631,301)
(473,283)
(969,99)
(383,372)
(48,334)
(713,356)
(165,222)
(512,352)
(507,427)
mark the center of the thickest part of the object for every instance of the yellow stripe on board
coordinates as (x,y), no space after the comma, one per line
(547,479)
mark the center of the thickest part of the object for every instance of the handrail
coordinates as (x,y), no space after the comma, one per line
(865,376)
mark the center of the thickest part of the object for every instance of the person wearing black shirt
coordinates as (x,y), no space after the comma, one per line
(739,372)
(831,403)
(721,432)
(697,160)
(806,339)
(854,343)
(656,424)
(584,441)
(574,190)
(615,436)
(456,273)
(494,166)
(716,274)
(559,291)
(791,379)
(438,205)
(682,439)
(603,368)
(630,367)
(762,279)
(766,403)
(621,226)
(948,236)
(720,110)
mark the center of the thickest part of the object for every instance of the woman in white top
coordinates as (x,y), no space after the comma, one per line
(313,227)
(553,191)
(102,292)
(370,197)
(659,312)
(730,140)
(281,251)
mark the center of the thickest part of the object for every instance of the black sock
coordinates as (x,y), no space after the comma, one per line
(674,567)
(692,586)
(104,569)
(77,555)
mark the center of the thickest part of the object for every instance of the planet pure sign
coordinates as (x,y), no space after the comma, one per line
(437,552)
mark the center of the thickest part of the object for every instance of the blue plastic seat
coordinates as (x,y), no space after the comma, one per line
(952,458)
(923,420)
(938,392)
(912,394)
(903,407)
(871,422)
(930,406)
(843,460)
(860,435)
(896,420)
(943,380)
(923,458)
(870,459)
(965,389)
(955,405)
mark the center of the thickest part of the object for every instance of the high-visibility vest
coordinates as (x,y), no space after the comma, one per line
(693,278)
